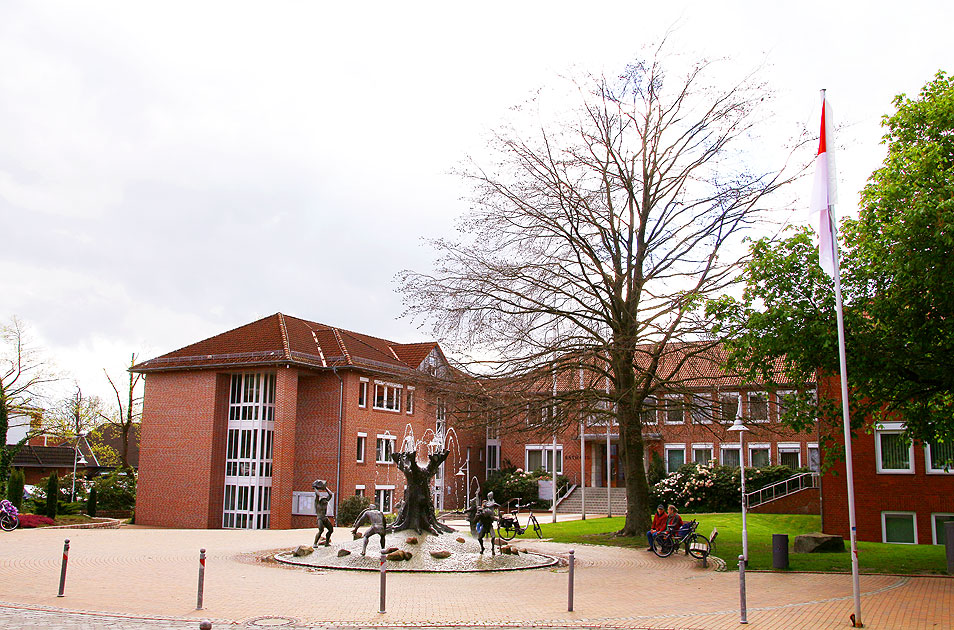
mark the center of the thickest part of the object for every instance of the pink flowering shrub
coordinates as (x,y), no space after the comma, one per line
(34,520)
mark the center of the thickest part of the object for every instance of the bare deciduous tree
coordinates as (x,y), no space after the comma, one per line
(23,373)
(122,418)
(591,246)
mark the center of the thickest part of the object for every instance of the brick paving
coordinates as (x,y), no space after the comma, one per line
(136,577)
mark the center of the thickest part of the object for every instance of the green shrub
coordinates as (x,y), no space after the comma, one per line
(15,488)
(657,469)
(351,508)
(91,502)
(116,491)
(52,493)
(510,484)
(714,489)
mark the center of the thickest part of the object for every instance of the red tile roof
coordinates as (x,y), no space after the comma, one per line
(282,339)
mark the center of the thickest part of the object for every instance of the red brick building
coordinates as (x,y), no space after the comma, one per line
(902,492)
(237,427)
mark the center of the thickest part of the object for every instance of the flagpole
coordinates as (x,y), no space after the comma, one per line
(846,419)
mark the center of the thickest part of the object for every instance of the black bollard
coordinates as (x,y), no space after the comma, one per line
(572,563)
(779,551)
(66,558)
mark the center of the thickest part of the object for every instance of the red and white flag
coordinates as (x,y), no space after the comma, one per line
(824,195)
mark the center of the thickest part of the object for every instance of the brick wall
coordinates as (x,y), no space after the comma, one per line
(806,501)
(176,469)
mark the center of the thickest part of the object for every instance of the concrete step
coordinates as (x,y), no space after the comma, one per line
(596,501)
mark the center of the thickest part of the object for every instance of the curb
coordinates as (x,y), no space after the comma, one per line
(112,523)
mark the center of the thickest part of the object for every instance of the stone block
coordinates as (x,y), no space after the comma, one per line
(817,542)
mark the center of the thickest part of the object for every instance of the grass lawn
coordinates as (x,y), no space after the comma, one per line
(872,557)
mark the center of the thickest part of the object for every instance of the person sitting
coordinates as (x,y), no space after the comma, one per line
(673,520)
(659,525)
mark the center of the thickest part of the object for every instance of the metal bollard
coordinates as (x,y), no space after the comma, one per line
(66,558)
(198,599)
(572,563)
(949,545)
(744,618)
(384,557)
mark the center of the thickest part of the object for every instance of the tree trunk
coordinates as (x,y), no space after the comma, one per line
(417,513)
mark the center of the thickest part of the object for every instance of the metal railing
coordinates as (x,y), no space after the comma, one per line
(781,489)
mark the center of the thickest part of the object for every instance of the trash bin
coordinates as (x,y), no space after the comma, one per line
(779,551)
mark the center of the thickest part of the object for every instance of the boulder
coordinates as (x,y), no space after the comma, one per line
(302,550)
(390,550)
(343,552)
(396,556)
(816,542)
(460,540)
(411,540)
(356,535)
(440,555)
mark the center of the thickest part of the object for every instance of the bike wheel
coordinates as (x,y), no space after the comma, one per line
(536,527)
(506,530)
(698,546)
(8,523)
(663,546)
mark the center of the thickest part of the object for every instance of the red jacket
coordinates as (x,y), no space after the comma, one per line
(659,522)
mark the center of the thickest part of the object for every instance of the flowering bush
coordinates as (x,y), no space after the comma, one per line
(511,483)
(34,520)
(713,489)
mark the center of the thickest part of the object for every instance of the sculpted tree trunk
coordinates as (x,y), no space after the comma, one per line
(417,513)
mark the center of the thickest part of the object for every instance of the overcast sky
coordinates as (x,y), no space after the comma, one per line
(171,170)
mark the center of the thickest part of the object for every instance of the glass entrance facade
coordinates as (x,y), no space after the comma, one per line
(248,453)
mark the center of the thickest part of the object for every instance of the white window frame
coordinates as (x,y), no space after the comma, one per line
(701,408)
(762,446)
(788,447)
(359,490)
(674,447)
(379,503)
(884,529)
(729,447)
(361,447)
(934,524)
(780,395)
(546,448)
(928,466)
(410,400)
(390,397)
(680,401)
(891,428)
(387,438)
(808,455)
(735,397)
(495,465)
(363,392)
(748,401)
(700,446)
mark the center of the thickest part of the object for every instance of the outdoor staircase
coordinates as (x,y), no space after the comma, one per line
(782,489)
(595,501)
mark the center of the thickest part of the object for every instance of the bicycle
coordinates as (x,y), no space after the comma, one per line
(508,525)
(666,542)
(9,516)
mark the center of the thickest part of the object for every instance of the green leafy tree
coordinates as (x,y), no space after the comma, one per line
(52,495)
(15,488)
(897,269)
(91,502)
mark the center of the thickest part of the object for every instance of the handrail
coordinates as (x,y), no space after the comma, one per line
(782,488)
(569,490)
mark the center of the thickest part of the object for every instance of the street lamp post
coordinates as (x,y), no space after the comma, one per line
(740,428)
(76,456)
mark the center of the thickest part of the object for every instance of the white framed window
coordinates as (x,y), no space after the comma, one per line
(937,457)
(493,456)
(387,396)
(702,454)
(363,392)
(760,455)
(728,406)
(675,457)
(790,454)
(730,455)
(384,497)
(783,398)
(359,490)
(647,414)
(675,409)
(937,526)
(248,452)
(410,401)
(701,410)
(440,417)
(899,527)
(892,454)
(540,456)
(814,456)
(758,407)
(362,444)
(383,448)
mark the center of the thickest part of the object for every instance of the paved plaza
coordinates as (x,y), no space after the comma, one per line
(136,577)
